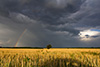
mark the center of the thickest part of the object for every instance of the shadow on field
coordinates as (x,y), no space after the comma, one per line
(91,53)
(64,63)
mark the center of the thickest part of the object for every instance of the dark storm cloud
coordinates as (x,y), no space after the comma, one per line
(57,22)
(89,14)
(20,18)
(87,36)
(95,36)
(39,10)
(62,28)
(91,20)
(3,12)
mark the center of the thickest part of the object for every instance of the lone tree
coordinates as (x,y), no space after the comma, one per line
(49,46)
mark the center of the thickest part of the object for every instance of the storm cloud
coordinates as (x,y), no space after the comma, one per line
(56,22)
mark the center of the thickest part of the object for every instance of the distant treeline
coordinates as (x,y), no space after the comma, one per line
(24,47)
(80,47)
(53,47)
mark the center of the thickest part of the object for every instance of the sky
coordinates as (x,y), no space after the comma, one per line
(61,23)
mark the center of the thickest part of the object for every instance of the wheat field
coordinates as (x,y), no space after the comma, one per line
(49,57)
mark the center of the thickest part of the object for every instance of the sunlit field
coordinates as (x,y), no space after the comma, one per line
(49,57)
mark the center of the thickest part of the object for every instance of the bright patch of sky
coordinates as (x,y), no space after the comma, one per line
(87,35)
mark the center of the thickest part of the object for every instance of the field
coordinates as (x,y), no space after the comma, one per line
(49,57)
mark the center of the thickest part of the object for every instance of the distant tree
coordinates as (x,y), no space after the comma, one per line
(49,46)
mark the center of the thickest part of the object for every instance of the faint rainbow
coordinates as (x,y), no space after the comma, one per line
(20,37)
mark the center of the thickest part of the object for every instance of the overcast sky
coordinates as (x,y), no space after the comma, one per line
(62,23)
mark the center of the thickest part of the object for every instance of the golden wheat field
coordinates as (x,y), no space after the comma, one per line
(49,57)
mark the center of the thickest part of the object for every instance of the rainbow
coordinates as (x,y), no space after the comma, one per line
(20,37)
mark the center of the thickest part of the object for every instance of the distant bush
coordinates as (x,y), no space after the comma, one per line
(49,46)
